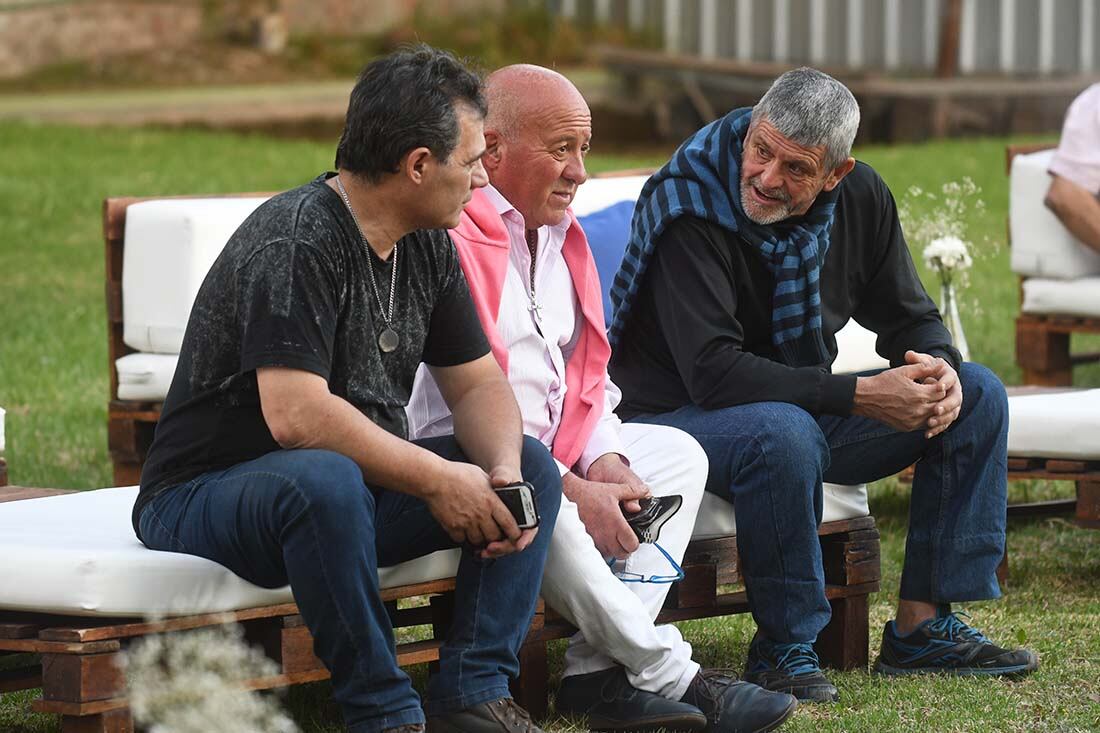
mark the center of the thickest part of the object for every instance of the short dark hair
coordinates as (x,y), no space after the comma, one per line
(403,101)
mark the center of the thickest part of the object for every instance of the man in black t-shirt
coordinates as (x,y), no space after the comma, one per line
(282,453)
(749,251)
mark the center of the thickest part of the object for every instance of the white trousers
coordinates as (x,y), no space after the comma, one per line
(616,618)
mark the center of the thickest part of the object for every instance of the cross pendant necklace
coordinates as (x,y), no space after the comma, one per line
(532,236)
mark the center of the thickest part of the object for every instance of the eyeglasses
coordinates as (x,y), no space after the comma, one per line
(618,568)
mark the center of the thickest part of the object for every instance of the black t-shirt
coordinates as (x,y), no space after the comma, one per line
(291,288)
(700,329)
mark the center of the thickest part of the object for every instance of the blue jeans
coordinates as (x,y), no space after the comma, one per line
(770,458)
(305,517)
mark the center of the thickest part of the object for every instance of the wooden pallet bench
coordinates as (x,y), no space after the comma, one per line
(1085,474)
(73,658)
(1043,340)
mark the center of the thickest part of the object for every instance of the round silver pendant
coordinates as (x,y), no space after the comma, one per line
(388,340)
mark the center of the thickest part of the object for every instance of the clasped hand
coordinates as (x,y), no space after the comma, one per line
(925,393)
(470,511)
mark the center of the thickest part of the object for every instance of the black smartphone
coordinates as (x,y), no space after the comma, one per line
(520,500)
(656,510)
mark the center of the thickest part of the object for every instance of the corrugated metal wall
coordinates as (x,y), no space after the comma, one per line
(996,36)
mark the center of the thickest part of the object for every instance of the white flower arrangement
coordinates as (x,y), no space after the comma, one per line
(191,682)
(940,221)
(949,256)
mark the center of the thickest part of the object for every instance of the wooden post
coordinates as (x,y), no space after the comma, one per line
(532,688)
(3,473)
(1088,504)
(1042,353)
(842,644)
(947,61)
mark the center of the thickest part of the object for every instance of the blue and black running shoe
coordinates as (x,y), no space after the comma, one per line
(947,645)
(790,668)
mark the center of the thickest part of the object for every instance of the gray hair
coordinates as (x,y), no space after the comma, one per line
(812,109)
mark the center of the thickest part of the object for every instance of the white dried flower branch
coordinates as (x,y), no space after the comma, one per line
(190,682)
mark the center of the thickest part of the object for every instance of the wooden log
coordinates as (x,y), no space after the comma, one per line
(21,678)
(1042,508)
(843,643)
(1088,504)
(532,688)
(699,587)
(117,721)
(1042,353)
(81,678)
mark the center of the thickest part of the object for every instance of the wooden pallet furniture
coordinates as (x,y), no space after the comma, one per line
(1043,340)
(1084,473)
(73,659)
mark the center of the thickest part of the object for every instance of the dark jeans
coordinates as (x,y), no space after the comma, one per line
(770,459)
(305,517)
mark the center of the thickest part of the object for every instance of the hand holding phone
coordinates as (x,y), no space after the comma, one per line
(519,498)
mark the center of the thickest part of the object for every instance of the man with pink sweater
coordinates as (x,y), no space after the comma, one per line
(538,297)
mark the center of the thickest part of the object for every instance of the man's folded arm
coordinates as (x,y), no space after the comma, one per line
(696,306)
(301,412)
(487,422)
(1076,207)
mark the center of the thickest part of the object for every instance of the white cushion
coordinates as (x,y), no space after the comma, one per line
(715,518)
(170,245)
(145,377)
(1041,246)
(599,193)
(77,554)
(1079,297)
(1061,425)
(856,350)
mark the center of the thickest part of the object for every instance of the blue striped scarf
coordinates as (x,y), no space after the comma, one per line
(703,180)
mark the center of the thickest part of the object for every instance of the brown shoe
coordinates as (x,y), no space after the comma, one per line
(496,716)
(410,728)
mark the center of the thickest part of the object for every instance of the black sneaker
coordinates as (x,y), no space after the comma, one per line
(948,645)
(791,668)
(734,706)
(609,702)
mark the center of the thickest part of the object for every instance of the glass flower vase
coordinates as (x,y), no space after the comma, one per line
(949,310)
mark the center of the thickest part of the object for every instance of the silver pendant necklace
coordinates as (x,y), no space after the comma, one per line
(388,339)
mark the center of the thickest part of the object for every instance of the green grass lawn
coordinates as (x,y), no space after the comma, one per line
(54,382)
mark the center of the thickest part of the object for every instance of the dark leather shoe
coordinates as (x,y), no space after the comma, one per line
(733,706)
(496,716)
(610,702)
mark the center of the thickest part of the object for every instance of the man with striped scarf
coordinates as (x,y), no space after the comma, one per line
(749,250)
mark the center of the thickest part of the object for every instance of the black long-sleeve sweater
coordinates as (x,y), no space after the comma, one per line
(700,329)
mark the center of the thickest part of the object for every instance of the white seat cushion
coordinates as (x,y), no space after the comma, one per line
(1041,246)
(170,245)
(1079,297)
(1061,425)
(77,554)
(145,377)
(715,518)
